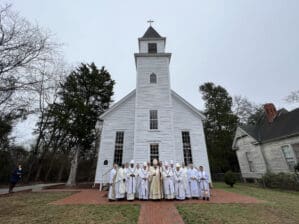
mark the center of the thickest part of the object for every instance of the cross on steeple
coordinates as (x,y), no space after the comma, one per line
(150,22)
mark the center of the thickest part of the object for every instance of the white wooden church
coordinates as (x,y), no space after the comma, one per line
(152,121)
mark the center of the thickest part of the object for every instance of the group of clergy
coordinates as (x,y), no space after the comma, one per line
(160,181)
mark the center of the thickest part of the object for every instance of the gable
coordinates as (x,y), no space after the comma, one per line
(240,134)
(187,105)
(118,104)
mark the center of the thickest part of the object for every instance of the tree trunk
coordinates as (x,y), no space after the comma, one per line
(50,168)
(74,166)
(30,169)
(39,168)
(59,178)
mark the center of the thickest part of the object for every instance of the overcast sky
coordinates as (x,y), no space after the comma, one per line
(251,47)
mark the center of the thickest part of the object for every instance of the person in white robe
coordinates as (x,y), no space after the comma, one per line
(131,181)
(112,178)
(120,184)
(148,170)
(204,186)
(155,182)
(193,182)
(168,182)
(172,167)
(138,180)
(179,184)
(185,181)
(144,182)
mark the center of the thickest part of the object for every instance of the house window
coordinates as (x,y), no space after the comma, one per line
(187,147)
(296,151)
(152,48)
(153,119)
(154,152)
(250,162)
(119,144)
(289,156)
(153,78)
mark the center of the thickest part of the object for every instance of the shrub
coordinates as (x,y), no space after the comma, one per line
(288,181)
(230,178)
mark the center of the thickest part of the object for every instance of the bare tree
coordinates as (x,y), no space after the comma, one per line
(46,93)
(244,109)
(293,97)
(23,47)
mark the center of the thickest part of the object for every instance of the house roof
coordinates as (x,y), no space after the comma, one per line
(151,33)
(133,93)
(284,125)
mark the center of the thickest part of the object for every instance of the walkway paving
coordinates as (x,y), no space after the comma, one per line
(159,212)
(162,212)
(93,196)
(34,187)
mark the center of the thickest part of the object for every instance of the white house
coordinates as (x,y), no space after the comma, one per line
(270,145)
(152,121)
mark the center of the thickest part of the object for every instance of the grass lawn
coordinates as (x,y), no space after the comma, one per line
(34,208)
(280,207)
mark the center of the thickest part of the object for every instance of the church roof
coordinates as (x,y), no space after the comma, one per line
(151,33)
(173,93)
(284,125)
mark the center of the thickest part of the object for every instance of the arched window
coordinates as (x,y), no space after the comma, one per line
(153,78)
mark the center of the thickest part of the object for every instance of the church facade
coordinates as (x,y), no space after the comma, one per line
(152,121)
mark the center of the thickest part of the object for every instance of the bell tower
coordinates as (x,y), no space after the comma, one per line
(153,134)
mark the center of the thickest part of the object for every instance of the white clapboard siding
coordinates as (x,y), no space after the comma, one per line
(132,114)
(121,119)
(187,120)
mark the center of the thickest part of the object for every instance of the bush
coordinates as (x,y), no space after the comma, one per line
(230,178)
(287,181)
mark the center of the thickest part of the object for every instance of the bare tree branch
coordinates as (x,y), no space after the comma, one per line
(25,50)
(293,97)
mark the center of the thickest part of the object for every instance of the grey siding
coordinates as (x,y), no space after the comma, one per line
(272,155)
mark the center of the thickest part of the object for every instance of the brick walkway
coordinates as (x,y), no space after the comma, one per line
(151,212)
(159,212)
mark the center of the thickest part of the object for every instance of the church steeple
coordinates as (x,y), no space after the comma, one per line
(151,42)
(153,99)
(151,33)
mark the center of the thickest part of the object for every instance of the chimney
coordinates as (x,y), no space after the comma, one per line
(270,112)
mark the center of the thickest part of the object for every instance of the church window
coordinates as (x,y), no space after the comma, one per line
(153,78)
(289,156)
(187,147)
(154,153)
(250,161)
(153,119)
(152,48)
(106,162)
(119,145)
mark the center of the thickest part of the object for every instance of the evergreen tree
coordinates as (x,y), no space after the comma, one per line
(85,95)
(220,126)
